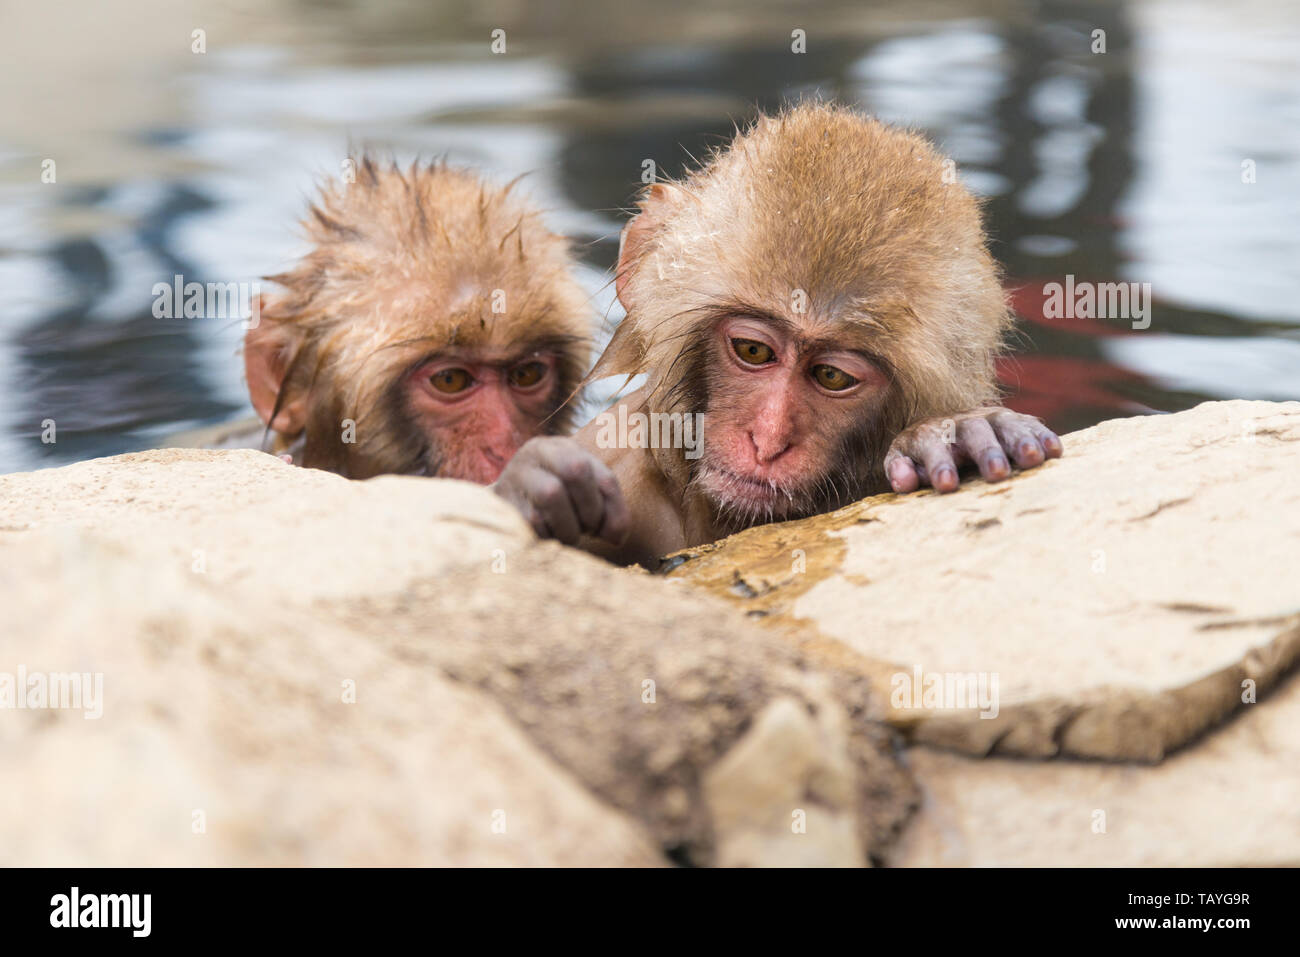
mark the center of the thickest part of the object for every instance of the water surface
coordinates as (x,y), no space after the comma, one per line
(1125,166)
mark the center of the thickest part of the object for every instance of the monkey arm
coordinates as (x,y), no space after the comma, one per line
(929,452)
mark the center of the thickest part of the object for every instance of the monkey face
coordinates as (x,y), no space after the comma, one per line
(813,289)
(781,397)
(433,328)
(474,410)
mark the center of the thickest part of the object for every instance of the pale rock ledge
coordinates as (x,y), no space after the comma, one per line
(1138,601)
(396,672)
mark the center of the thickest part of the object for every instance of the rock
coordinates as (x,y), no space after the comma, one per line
(1231,800)
(784,793)
(636,685)
(1122,596)
(502,713)
(244,517)
(298,669)
(224,714)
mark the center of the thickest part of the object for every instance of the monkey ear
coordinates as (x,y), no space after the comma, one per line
(655,203)
(269,349)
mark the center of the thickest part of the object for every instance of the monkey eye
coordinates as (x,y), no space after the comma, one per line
(829,377)
(527,374)
(751,352)
(450,380)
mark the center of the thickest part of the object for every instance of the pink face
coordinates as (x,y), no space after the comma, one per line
(783,401)
(477,411)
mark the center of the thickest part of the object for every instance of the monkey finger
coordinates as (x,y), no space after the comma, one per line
(511,487)
(939,465)
(976,438)
(577,473)
(1050,441)
(585,478)
(549,495)
(1016,433)
(532,517)
(617,516)
(901,472)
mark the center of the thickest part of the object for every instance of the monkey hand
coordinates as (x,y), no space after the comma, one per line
(928,452)
(565,492)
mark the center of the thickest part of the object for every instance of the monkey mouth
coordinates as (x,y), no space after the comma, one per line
(482,467)
(482,470)
(746,499)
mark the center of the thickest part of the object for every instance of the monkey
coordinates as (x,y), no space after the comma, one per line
(820,297)
(433,327)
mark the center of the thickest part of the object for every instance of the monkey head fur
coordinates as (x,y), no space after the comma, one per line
(408,266)
(834,229)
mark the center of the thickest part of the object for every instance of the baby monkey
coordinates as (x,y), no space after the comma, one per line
(816,308)
(434,327)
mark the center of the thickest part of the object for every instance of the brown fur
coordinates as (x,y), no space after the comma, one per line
(404,264)
(857,215)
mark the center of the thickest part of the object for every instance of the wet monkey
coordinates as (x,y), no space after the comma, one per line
(820,297)
(434,327)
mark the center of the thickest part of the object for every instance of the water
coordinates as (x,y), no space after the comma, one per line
(1122,166)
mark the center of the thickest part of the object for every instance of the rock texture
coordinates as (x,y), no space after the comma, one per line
(246,519)
(298,669)
(1124,596)
(225,739)
(1232,799)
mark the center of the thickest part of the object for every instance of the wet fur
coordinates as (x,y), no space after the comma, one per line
(403,265)
(858,215)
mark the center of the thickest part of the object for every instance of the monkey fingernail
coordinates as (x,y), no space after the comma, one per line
(945,479)
(1030,454)
(902,476)
(996,467)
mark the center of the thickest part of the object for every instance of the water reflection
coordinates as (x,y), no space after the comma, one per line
(1122,166)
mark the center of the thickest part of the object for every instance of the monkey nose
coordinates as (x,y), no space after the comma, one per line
(495,459)
(768,448)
